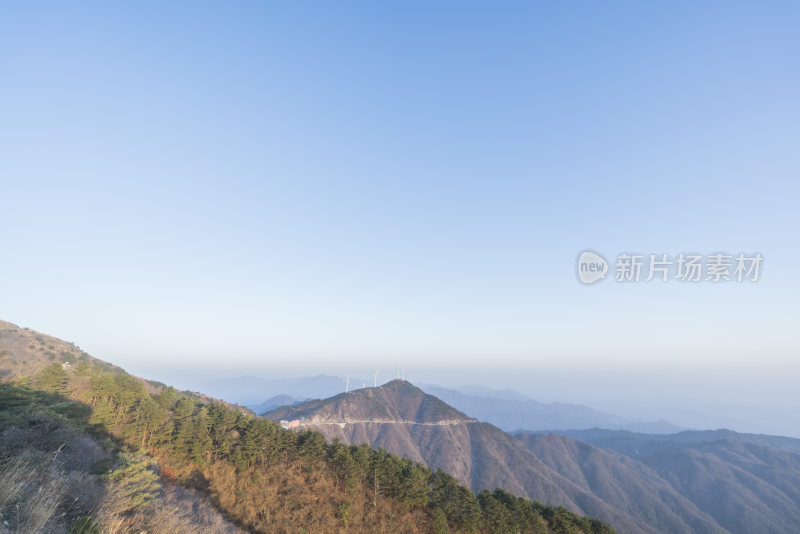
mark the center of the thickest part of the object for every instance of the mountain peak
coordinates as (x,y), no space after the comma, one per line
(397,401)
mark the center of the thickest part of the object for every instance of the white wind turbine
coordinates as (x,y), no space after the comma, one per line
(376,377)
(347,383)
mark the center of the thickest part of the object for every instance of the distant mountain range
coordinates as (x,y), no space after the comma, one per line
(252,391)
(690,482)
(636,444)
(512,411)
(276,402)
(509,410)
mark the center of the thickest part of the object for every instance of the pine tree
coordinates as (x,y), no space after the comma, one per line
(440,522)
(53,378)
(200,444)
(135,482)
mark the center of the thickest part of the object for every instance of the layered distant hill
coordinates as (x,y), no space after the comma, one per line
(276,402)
(403,419)
(638,444)
(512,411)
(253,390)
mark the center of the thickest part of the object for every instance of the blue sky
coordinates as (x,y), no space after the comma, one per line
(288,188)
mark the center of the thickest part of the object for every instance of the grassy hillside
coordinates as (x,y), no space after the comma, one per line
(149,441)
(55,476)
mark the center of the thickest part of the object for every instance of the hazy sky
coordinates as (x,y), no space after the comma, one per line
(319,187)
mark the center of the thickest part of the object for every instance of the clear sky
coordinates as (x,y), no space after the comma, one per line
(289,188)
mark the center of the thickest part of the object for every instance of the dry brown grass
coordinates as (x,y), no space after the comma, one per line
(46,485)
(32,491)
(307,498)
(14,476)
(177,511)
